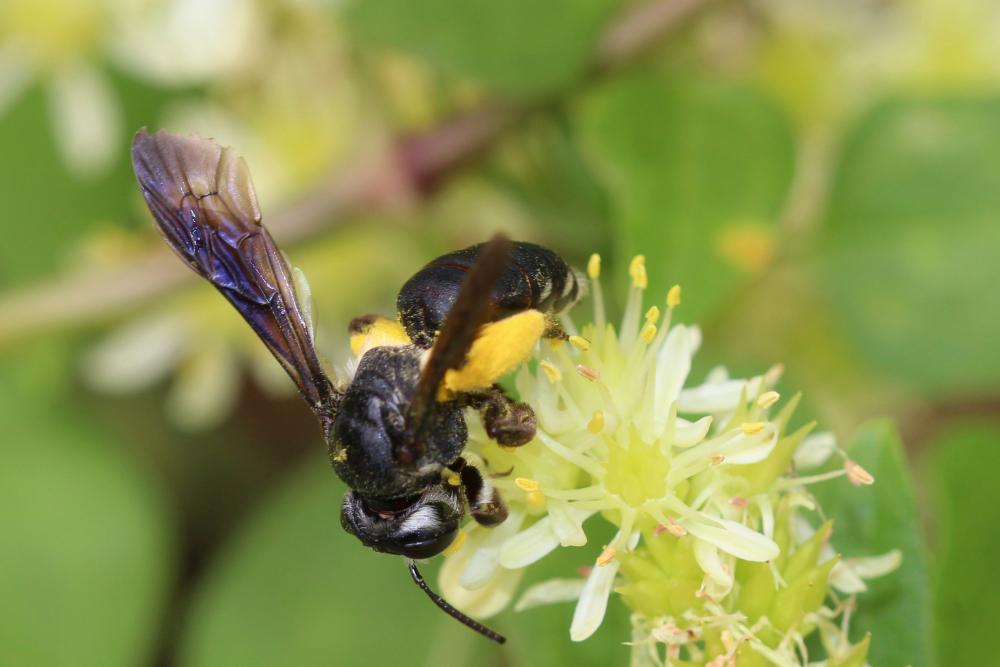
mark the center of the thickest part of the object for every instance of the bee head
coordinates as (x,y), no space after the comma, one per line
(420,528)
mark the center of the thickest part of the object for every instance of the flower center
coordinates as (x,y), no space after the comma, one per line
(636,470)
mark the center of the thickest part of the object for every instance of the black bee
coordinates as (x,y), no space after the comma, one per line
(395,435)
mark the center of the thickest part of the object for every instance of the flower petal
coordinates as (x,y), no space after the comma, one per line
(528,546)
(481,602)
(593,602)
(733,538)
(673,363)
(137,354)
(550,592)
(815,449)
(86,117)
(713,398)
(484,560)
(567,522)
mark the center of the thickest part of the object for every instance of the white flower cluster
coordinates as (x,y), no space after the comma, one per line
(619,435)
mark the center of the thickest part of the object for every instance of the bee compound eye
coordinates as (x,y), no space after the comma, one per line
(422,529)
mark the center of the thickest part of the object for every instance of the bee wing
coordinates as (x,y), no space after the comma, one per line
(204,203)
(471,310)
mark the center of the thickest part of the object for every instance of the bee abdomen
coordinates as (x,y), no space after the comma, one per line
(534,278)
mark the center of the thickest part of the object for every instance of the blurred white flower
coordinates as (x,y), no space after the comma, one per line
(65,46)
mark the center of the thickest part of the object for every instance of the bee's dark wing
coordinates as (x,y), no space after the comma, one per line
(471,310)
(204,204)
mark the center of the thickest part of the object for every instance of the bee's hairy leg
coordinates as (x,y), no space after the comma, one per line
(554,329)
(485,504)
(510,423)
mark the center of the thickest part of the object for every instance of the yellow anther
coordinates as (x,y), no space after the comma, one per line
(526,484)
(456,543)
(857,475)
(768,398)
(753,428)
(716,459)
(637,269)
(454,479)
(674,296)
(580,343)
(536,498)
(596,423)
(594,266)
(653,314)
(607,556)
(648,332)
(551,372)
(591,374)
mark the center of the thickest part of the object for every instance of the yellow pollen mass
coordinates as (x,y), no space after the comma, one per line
(674,296)
(526,484)
(753,428)
(768,398)
(381,332)
(606,556)
(536,498)
(596,423)
(594,266)
(456,544)
(653,314)
(454,480)
(637,270)
(648,332)
(551,372)
(500,348)
(580,343)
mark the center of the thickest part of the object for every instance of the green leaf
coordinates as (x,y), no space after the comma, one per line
(515,46)
(47,209)
(872,520)
(911,242)
(85,560)
(698,169)
(964,466)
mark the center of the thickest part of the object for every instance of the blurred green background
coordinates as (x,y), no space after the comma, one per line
(823,178)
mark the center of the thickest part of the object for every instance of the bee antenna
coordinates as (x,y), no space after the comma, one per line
(451,611)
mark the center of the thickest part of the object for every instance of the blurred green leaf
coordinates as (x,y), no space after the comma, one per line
(46,210)
(964,467)
(872,520)
(699,170)
(912,242)
(85,560)
(516,46)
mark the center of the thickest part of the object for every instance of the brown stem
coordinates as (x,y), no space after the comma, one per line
(406,168)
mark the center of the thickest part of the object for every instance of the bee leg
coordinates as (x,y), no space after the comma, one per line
(485,504)
(510,423)
(554,329)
